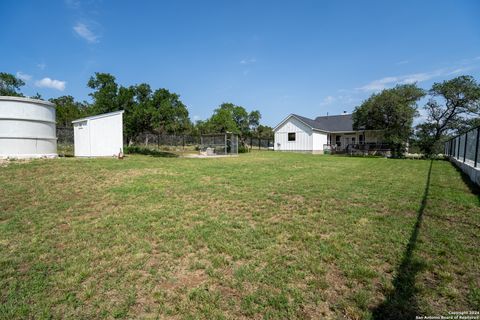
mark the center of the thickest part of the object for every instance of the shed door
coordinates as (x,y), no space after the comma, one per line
(82,139)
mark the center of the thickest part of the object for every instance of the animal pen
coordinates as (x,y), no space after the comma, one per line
(219,144)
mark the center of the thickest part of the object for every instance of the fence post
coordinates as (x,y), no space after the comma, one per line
(458,148)
(476,147)
(455,143)
(465,148)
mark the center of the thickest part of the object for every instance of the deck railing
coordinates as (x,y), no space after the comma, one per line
(369,146)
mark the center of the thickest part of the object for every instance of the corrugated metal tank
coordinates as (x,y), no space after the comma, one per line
(27,128)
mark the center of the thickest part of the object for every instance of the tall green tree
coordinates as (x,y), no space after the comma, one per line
(229,117)
(37,96)
(391,111)
(265,132)
(137,117)
(465,124)
(452,103)
(105,94)
(254,121)
(10,85)
(169,114)
(67,110)
(224,120)
(146,110)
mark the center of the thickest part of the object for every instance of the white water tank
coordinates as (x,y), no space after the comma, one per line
(27,128)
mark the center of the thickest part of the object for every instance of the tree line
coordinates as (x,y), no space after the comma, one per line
(146,110)
(453,106)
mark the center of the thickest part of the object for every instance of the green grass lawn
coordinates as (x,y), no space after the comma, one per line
(263,235)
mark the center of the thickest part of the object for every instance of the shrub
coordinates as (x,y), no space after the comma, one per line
(147,151)
(242,149)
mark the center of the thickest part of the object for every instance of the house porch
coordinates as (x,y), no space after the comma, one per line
(340,141)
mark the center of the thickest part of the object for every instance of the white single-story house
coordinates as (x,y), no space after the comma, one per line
(336,133)
(99,136)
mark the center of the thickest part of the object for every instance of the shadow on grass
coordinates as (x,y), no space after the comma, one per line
(466,179)
(401,302)
(149,152)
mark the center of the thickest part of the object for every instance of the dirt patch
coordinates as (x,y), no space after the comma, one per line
(319,311)
(181,275)
(295,198)
(184,279)
(6,162)
(362,222)
(337,286)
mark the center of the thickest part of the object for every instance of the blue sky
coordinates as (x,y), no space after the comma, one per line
(280,57)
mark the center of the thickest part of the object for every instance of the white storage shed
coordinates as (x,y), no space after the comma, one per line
(99,136)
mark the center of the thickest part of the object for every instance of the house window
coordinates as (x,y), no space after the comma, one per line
(291,136)
(361,138)
(337,141)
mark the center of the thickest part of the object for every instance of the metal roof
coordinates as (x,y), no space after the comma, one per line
(337,123)
(99,116)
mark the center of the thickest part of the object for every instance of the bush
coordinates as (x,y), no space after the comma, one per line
(242,149)
(147,151)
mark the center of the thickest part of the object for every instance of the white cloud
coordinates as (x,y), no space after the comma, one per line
(327,100)
(51,83)
(248,61)
(41,66)
(420,77)
(74,4)
(459,70)
(23,76)
(380,84)
(84,31)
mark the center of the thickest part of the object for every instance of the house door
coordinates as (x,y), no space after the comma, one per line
(338,141)
(349,140)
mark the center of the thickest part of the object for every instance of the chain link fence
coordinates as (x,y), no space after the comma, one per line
(260,143)
(159,141)
(65,142)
